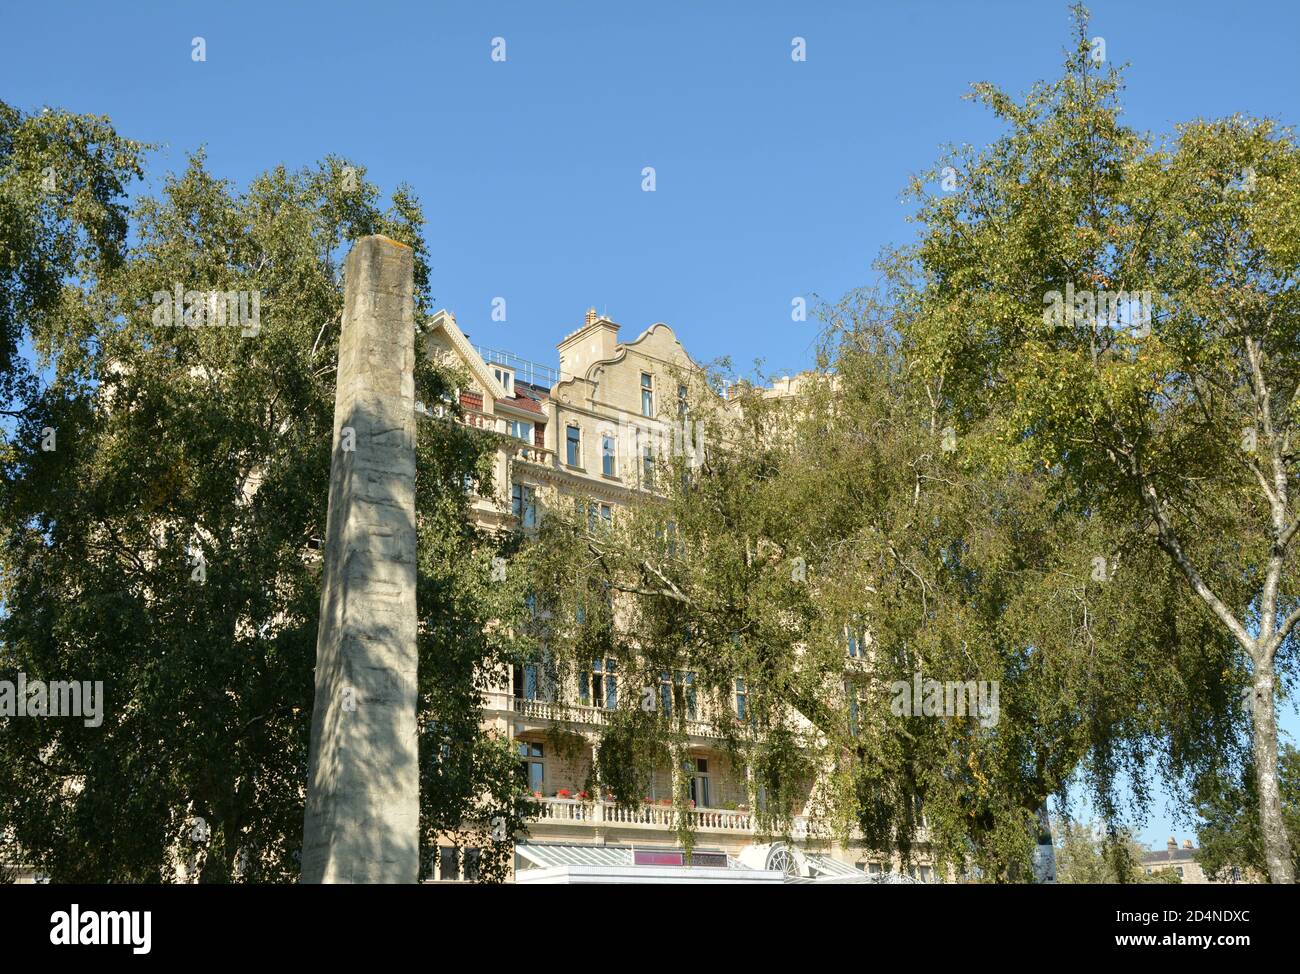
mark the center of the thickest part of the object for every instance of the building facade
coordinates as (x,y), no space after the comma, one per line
(569,428)
(1183,861)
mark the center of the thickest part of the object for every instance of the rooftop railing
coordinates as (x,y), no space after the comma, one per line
(534,373)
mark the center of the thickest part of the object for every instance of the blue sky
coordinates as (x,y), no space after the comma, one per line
(774,179)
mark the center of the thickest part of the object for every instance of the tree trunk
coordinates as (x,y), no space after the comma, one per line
(1277,845)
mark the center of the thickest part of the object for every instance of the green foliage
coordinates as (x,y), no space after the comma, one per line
(1085,854)
(62,217)
(944,565)
(1228,806)
(177,440)
(1172,432)
(941,480)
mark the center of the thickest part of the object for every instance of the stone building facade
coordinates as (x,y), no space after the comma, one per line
(571,425)
(1183,861)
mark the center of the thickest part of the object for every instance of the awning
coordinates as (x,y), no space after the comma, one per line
(568,864)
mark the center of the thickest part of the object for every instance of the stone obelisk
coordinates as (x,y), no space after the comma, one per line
(363,793)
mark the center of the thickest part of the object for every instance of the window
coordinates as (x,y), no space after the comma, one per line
(531,766)
(698,769)
(537,680)
(854,642)
(523,504)
(648,466)
(506,378)
(608,455)
(598,516)
(682,407)
(522,429)
(599,685)
(851,692)
(679,692)
(472,858)
(742,700)
(526,682)
(448,868)
(647,394)
(573,446)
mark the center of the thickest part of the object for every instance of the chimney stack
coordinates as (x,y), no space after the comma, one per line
(1173,844)
(596,340)
(1187,844)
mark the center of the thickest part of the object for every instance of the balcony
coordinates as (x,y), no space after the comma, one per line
(578,714)
(569,811)
(535,454)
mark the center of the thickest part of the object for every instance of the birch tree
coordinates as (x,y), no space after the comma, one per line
(1127,307)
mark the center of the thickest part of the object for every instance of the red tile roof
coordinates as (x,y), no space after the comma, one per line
(527,396)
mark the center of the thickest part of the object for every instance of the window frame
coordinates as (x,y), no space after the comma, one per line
(573,445)
(602,675)
(505,376)
(515,424)
(608,455)
(523,503)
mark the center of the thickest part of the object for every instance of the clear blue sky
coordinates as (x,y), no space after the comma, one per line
(774,178)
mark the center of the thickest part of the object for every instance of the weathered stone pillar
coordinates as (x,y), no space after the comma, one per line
(363,783)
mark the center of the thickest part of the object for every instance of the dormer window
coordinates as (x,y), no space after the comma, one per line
(506,377)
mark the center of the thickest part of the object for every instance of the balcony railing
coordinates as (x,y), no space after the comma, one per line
(570,811)
(562,810)
(579,714)
(534,454)
(533,373)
